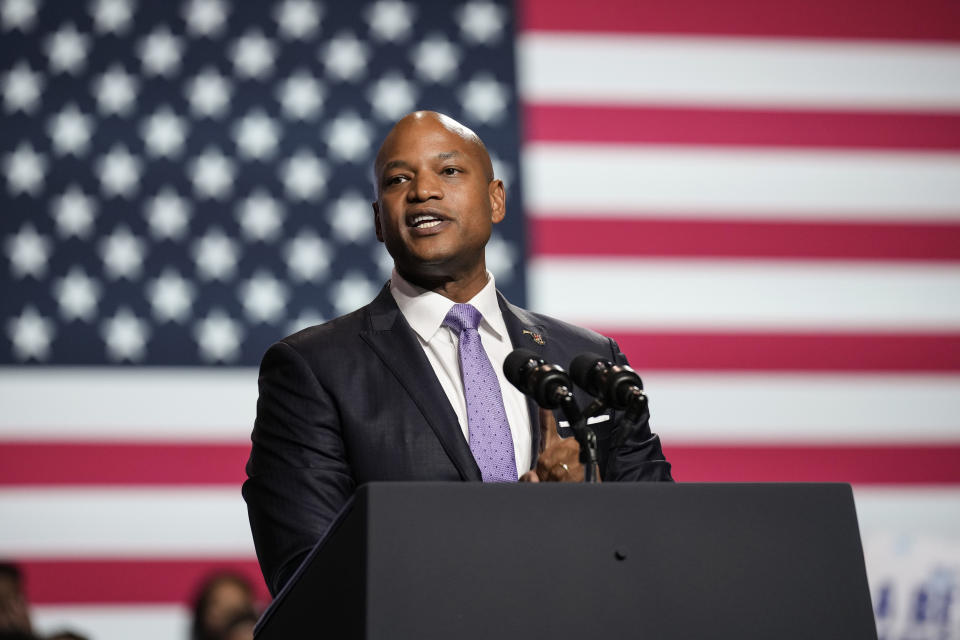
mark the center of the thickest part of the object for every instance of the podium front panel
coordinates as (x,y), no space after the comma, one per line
(471,561)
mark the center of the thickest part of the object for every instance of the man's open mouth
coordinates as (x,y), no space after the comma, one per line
(424,221)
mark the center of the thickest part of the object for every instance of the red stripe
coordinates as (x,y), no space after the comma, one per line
(893,464)
(647,352)
(585,235)
(820,352)
(107,463)
(751,127)
(893,19)
(113,581)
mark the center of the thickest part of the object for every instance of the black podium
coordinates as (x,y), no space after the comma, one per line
(662,561)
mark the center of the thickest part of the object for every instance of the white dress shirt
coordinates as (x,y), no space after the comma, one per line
(424,311)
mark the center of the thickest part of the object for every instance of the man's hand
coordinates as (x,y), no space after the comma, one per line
(559,459)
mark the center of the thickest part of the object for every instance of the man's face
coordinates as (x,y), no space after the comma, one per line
(436,202)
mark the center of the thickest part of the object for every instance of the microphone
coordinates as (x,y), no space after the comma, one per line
(548,384)
(617,385)
(551,387)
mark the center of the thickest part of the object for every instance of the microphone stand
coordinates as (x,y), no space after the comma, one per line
(584,435)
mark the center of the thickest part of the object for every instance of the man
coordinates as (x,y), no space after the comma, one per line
(410,387)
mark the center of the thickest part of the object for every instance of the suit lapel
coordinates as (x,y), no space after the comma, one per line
(526,333)
(396,344)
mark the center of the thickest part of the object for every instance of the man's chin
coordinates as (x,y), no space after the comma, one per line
(429,259)
(434,268)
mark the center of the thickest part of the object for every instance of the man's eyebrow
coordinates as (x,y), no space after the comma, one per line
(394,164)
(401,164)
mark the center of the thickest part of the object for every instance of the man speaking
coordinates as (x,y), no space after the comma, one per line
(411,387)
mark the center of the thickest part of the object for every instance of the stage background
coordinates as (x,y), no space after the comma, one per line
(760,201)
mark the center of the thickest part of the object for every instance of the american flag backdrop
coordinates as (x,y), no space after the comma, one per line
(760,201)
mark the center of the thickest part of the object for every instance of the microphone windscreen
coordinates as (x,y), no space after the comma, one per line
(514,365)
(580,369)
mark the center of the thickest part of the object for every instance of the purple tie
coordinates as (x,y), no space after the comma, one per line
(490,438)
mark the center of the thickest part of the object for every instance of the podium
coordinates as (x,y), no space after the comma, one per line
(465,561)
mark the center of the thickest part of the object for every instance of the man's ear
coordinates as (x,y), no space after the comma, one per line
(498,200)
(376,221)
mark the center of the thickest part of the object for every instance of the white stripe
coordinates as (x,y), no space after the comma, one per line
(609,69)
(64,522)
(904,512)
(117,622)
(696,407)
(621,180)
(124,404)
(747,294)
(687,407)
(731,407)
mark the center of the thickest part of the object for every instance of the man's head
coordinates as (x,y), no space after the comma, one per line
(436,198)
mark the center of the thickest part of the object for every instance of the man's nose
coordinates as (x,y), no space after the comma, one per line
(425,186)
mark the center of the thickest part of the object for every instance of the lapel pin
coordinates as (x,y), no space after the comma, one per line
(535,336)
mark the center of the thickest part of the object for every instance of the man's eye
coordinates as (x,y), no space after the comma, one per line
(451,171)
(396,179)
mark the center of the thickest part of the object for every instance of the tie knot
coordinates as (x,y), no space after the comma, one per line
(462,316)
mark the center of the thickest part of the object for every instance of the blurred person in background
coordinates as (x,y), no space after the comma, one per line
(221,600)
(14,612)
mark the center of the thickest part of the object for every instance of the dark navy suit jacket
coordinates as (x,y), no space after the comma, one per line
(355,400)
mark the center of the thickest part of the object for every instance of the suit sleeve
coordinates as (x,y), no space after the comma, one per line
(297,476)
(635,452)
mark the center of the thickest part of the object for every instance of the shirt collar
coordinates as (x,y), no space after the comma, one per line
(425,310)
